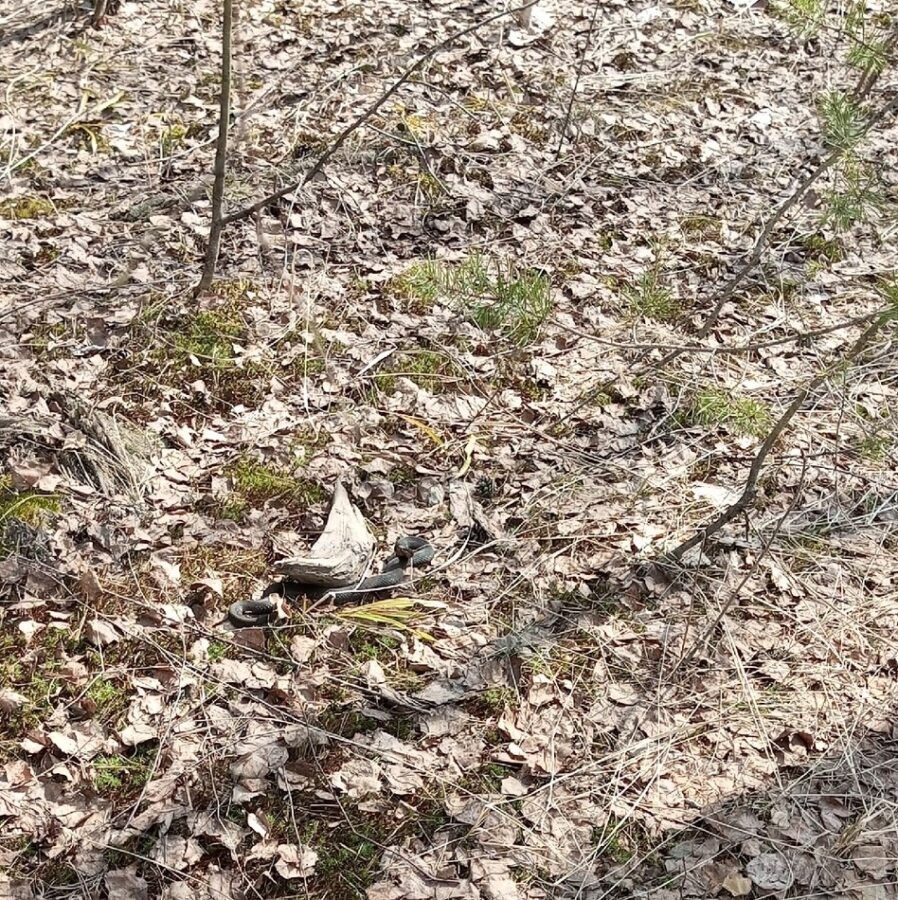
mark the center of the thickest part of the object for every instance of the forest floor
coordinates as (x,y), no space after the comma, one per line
(464,317)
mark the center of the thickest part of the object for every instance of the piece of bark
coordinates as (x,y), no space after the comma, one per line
(340,555)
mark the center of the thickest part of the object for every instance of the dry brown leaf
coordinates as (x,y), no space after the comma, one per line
(126,884)
(295,861)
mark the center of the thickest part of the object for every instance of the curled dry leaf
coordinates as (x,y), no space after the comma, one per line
(11,701)
(138,733)
(295,861)
(302,648)
(737,885)
(357,778)
(101,633)
(63,742)
(770,872)
(126,884)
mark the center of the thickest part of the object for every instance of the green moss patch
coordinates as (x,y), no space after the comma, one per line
(257,483)
(119,775)
(28,506)
(202,345)
(429,369)
(26,208)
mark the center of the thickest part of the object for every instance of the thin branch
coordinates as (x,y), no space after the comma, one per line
(730,288)
(728,604)
(788,204)
(361,119)
(221,153)
(751,485)
(580,65)
(727,351)
(871,74)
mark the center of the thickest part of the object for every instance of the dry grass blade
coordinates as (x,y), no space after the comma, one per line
(396,612)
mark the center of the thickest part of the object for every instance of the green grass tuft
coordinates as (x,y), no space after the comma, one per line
(648,296)
(714,407)
(842,120)
(494,296)
(420,285)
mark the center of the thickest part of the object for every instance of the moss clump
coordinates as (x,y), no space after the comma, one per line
(346,722)
(209,337)
(21,513)
(431,186)
(30,507)
(699,226)
(257,483)
(173,134)
(103,692)
(492,701)
(874,447)
(821,249)
(347,857)
(202,345)
(26,208)
(715,407)
(114,773)
(237,292)
(109,698)
(217,651)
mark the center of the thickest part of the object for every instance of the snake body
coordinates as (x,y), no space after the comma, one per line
(408,552)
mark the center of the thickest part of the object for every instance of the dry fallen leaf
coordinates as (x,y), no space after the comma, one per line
(737,885)
(101,633)
(770,872)
(126,884)
(295,861)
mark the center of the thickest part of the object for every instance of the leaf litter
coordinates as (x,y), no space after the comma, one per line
(509,728)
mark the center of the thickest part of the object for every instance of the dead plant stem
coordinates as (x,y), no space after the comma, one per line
(221,153)
(364,116)
(749,491)
(734,595)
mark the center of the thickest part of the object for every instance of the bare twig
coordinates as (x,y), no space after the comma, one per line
(724,350)
(361,119)
(751,485)
(786,206)
(727,605)
(744,271)
(871,73)
(580,65)
(221,153)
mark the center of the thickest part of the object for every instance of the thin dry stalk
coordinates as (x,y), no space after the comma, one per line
(750,490)
(361,119)
(221,152)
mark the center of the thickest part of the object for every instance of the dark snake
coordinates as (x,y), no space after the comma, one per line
(408,552)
